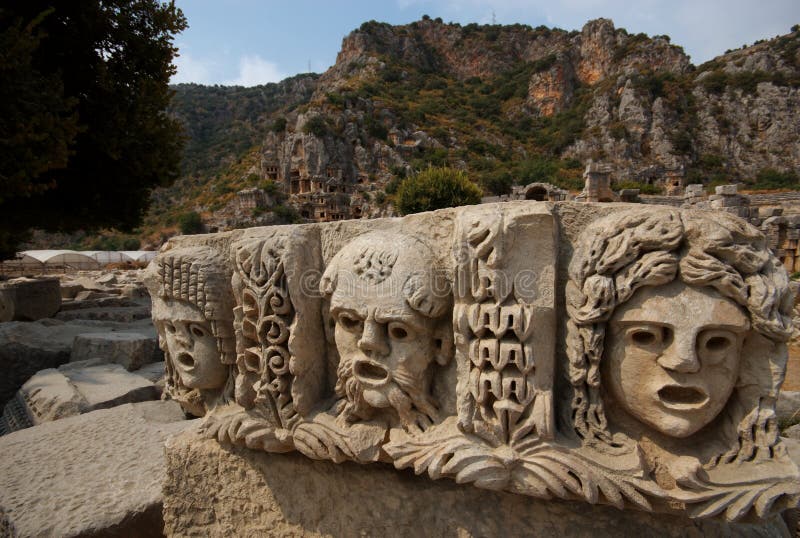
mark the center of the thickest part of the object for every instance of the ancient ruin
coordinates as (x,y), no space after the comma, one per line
(615,355)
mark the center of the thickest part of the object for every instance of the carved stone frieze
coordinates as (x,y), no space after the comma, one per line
(432,343)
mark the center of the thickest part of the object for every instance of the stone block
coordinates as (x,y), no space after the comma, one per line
(153,372)
(109,385)
(695,190)
(131,350)
(27,347)
(106,301)
(726,190)
(86,295)
(97,474)
(108,279)
(258,494)
(767,212)
(73,389)
(121,314)
(45,397)
(29,299)
(69,290)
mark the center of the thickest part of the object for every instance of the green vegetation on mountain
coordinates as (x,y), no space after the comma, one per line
(222,123)
(503,105)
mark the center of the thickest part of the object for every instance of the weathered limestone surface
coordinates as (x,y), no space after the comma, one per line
(27,347)
(131,350)
(617,355)
(71,390)
(288,495)
(28,299)
(93,475)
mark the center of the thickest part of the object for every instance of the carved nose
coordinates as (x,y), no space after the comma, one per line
(681,356)
(372,339)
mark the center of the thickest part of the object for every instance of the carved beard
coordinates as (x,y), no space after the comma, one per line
(408,396)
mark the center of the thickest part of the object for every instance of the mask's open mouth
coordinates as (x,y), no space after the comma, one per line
(185,360)
(370,372)
(678,397)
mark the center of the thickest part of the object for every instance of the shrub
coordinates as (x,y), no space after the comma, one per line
(279,125)
(286,214)
(191,223)
(436,188)
(131,243)
(316,126)
(770,178)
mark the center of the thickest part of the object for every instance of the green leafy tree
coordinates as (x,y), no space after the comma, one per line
(435,188)
(84,131)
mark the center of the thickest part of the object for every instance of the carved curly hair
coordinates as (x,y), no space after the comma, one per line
(623,252)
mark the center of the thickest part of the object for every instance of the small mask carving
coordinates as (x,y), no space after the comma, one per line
(193,314)
(191,345)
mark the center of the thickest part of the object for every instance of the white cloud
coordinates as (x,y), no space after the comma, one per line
(254,70)
(191,69)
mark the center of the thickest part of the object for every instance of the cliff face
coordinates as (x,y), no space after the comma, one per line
(518,104)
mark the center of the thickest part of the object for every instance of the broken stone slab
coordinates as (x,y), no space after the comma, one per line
(29,299)
(46,397)
(110,385)
(86,295)
(131,350)
(153,372)
(117,314)
(134,291)
(27,347)
(726,190)
(56,394)
(97,474)
(107,279)
(105,301)
(92,284)
(787,408)
(70,289)
(258,494)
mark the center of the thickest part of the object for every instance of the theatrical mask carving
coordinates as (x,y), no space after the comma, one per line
(676,345)
(192,313)
(390,306)
(673,356)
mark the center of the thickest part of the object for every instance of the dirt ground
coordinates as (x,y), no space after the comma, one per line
(792,381)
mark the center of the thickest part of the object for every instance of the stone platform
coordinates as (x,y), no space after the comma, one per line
(214,490)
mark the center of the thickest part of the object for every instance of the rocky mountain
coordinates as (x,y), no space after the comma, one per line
(508,104)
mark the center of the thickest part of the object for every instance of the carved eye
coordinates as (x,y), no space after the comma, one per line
(198,330)
(399,331)
(644,337)
(169,327)
(350,322)
(714,345)
(647,335)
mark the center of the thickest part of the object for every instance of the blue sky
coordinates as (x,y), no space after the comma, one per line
(249,42)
